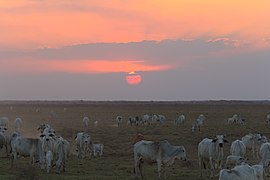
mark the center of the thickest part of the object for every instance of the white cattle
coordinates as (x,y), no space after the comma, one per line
(233,160)
(85,122)
(146,119)
(66,145)
(60,155)
(83,141)
(95,124)
(162,153)
(265,154)
(49,161)
(196,125)
(131,121)
(210,152)
(18,124)
(27,147)
(253,142)
(242,172)
(238,148)
(97,149)
(161,119)
(4,121)
(3,139)
(268,118)
(180,120)
(47,142)
(119,120)
(233,119)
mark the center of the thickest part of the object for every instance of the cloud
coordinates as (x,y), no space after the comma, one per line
(112,57)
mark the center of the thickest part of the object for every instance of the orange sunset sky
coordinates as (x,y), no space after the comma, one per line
(38,35)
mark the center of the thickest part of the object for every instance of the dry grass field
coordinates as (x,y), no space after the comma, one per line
(117,162)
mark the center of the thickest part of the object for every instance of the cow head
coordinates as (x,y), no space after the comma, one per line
(220,140)
(181,153)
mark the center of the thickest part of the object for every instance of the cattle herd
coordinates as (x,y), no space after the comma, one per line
(51,150)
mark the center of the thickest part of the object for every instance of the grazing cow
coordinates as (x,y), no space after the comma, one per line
(97,149)
(232,161)
(18,124)
(180,120)
(210,152)
(49,161)
(4,121)
(137,137)
(83,141)
(27,147)
(233,119)
(119,120)
(242,172)
(238,148)
(162,153)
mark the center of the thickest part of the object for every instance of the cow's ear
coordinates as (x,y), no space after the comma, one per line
(225,140)
(51,135)
(5,128)
(75,137)
(214,140)
(42,135)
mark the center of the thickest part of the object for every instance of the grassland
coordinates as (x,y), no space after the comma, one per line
(117,162)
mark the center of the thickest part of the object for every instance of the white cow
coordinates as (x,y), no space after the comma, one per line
(95,124)
(85,122)
(242,172)
(210,152)
(4,121)
(146,119)
(60,155)
(180,120)
(268,118)
(265,154)
(119,120)
(18,124)
(83,141)
(49,161)
(233,119)
(27,147)
(97,149)
(162,153)
(253,142)
(233,160)
(3,139)
(238,148)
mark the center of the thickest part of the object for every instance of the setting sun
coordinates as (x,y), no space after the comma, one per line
(133,78)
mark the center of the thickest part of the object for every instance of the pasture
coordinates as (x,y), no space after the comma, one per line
(117,161)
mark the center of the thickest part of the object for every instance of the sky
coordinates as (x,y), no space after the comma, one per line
(183,50)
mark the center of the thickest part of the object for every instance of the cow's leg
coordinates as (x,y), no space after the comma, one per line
(140,169)
(136,166)
(159,168)
(211,167)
